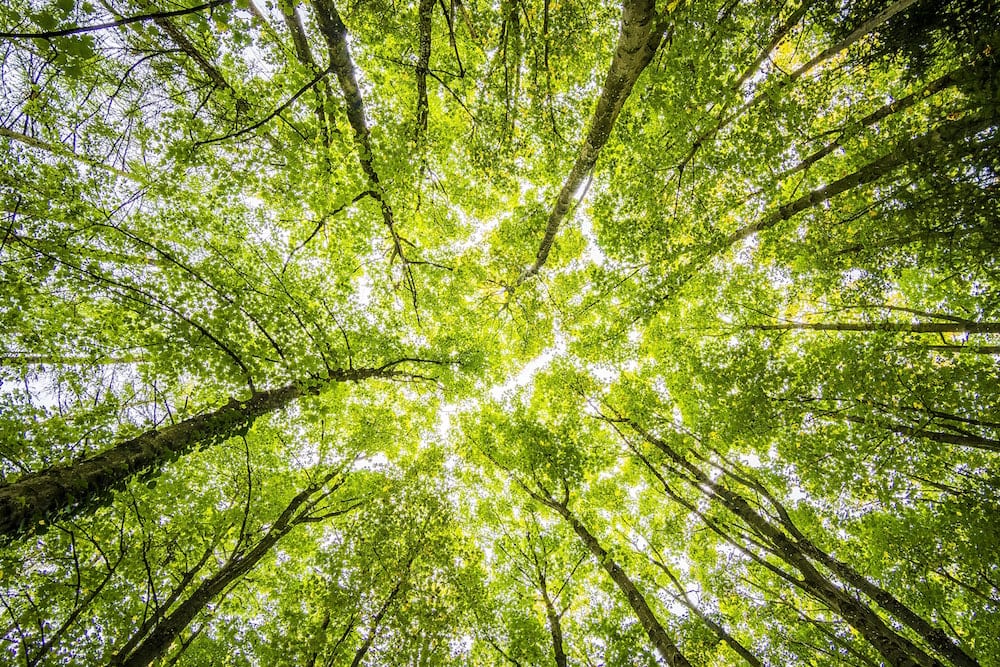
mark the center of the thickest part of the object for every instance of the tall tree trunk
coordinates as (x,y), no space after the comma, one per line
(638,39)
(366,645)
(891,108)
(424,24)
(555,630)
(167,630)
(934,637)
(667,649)
(768,92)
(902,327)
(974,441)
(42,495)
(335,34)
(720,632)
(947,137)
(895,648)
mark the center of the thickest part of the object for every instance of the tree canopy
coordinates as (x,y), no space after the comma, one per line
(528,332)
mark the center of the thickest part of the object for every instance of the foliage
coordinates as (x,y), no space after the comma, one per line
(474,333)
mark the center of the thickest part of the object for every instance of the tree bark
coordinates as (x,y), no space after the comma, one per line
(667,649)
(165,632)
(113,24)
(719,631)
(902,327)
(895,648)
(894,107)
(555,630)
(424,16)
(335,34)
(937,140)
(293,22)
(766,93)
(934,637)
(366,645)
(975,441)
(638,39)
(41,496)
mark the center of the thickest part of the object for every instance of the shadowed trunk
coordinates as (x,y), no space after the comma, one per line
(945,138)
(165,632)
(657,634)
(638,40)
(895,648)
(42,495)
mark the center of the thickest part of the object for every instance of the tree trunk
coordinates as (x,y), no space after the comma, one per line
(894,107)
(41,496)
(638,40)
(555,625)
(902,327)
(362,651)
(935,141)
(165,632)
(934,637)
(896,649)
(424,24)
(335,34)
(657,635)
(975,441)
(720,632)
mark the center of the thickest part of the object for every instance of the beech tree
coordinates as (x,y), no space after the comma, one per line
(524,333)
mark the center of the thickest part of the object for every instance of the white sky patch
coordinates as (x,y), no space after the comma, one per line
(779,277)
(253,202)
(852,276)
(593,252)
(797,494)
(524,377)
(443,427)
(376,461)
(363,286)
(480,230)
(745,254)
(605,373)
(635,335)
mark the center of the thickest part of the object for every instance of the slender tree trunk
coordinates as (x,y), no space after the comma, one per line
(896,649)
(966,349)
(864,29)
(940,139)
(894,107)
(293,22)
(335,34)
(768,92)
(638,39)
(737,85)
(553,617)
(667,649)
(64,151)
(362,651)
(555,630)
(42,495)
(902,327)
(113,24)
(424,16)
(719,631)
(166,631)
(164,607)
(934,637)
(975,441)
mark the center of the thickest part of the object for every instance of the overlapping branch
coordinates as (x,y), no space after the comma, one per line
(639,37)
(335,33)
